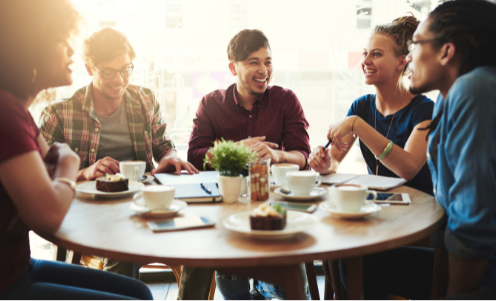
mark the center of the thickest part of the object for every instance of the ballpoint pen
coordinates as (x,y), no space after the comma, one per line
(207,190)
(328,143)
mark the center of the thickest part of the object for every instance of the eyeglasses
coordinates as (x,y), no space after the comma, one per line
(411,44)
(110,73)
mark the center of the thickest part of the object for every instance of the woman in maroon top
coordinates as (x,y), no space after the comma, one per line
(35,55)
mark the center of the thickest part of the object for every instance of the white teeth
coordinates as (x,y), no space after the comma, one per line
(260,80)
(369,71)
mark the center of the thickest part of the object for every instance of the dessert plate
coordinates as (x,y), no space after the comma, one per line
(369,208)
(90,188)
(316,193)
(140,208)
(147,179)
(296,222)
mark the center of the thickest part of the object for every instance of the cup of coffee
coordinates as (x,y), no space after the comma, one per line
(350,197)
(133,170)
(156,197)
(301,183)
(280,170)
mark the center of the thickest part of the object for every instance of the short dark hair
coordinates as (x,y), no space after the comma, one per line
(104,45)
(28,30)
(244,43)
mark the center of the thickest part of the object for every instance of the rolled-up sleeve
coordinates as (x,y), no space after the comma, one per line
(161,141)
(470,147)
(202,136)
(51,126)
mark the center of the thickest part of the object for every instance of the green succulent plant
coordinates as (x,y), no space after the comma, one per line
(229,158)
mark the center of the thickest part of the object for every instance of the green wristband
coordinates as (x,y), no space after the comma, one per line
(386,151)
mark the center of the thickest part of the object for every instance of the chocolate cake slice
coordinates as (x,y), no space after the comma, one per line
(268,218)
(102,184)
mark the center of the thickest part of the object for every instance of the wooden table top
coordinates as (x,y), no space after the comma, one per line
(110,228)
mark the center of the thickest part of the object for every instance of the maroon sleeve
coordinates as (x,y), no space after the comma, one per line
(295,135)
(18,132)
(202,136)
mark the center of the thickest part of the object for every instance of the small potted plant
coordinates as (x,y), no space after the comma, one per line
(229,159)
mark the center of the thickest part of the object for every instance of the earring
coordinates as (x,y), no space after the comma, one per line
(34,75)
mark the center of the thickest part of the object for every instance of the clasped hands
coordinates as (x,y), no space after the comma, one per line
(264,149)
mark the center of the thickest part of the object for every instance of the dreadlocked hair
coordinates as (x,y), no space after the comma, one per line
(470,25)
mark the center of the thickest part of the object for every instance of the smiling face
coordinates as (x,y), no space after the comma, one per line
(426,72)
(114,88)
(55,71)
(254,74)
(379,63)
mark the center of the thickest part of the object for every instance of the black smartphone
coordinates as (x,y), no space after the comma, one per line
(180,223)
(297,206)
(391,198)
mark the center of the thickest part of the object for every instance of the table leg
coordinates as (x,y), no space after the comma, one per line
(355,278)
(336,279)
(312,280)
(289,277)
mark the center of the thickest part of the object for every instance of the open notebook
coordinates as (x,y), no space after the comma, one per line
(188,187)
(371,181)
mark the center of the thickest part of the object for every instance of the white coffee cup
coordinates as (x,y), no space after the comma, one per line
(279,172)
(301,183)
(350,197)
(156,197)
(133,170)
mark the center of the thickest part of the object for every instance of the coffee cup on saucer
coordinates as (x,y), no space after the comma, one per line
(301,183)
(280,170)
(350,197)
(156,197)
(132,170)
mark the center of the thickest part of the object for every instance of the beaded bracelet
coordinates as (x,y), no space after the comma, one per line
(386,151)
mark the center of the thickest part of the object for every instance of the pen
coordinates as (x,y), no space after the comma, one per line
(328,143)
(207,190)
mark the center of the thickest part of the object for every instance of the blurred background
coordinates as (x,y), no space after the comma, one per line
(181,52)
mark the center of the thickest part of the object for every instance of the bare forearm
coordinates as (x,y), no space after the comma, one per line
(401,162)
(294,157)
(169,153)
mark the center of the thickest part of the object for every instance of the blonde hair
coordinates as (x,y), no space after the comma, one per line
(104,45)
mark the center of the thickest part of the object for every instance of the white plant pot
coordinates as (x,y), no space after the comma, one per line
(229,188)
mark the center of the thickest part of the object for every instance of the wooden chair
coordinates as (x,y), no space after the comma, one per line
(94,263)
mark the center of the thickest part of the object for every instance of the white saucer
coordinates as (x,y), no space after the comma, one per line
(369,208)
(90,188)
(142,210)
(296,222)
(148,179)
(316,193)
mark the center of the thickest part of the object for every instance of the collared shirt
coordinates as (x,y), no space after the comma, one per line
(462,159)
(74,122)
(277,114)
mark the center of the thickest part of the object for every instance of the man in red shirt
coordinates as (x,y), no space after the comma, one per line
(268,119)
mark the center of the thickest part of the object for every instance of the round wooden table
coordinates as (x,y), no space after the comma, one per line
(108,227)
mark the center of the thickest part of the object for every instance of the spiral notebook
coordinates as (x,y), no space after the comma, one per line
(188,186)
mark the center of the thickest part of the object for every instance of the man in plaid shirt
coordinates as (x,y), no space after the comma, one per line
(110,120)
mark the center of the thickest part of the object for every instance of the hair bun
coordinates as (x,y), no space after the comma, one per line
(408,21)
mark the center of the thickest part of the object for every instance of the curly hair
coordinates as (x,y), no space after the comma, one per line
(104,45)
(28,30)
(244,43)
(401,29)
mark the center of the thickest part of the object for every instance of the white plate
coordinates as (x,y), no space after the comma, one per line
(316,193)
(90,188)
(296,222)
(142,210)
(369,208)
(148,179)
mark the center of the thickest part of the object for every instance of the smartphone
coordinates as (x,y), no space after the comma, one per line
(297,206)
(180,223)
(391,198)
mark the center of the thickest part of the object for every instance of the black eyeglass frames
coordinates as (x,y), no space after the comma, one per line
(110,73)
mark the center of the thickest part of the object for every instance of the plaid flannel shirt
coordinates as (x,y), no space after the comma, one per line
(73,121)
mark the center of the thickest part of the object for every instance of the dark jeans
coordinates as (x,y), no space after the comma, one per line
(56,280)
(405,272)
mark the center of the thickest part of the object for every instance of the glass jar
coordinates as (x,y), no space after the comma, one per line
(259,180)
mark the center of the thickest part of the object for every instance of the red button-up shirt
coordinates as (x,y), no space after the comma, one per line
(277,114)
